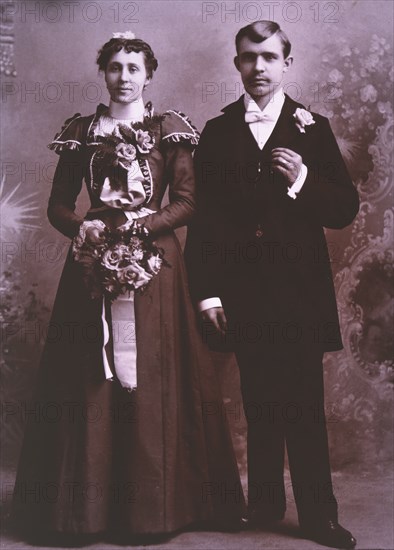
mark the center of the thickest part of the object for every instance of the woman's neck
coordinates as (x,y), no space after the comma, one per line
(127,111)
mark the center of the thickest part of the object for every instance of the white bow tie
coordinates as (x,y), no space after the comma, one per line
(257,116)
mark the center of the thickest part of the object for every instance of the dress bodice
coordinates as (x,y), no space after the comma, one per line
(127,165)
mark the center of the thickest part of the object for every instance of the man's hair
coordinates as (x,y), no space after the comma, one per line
(128,45)
(260,31)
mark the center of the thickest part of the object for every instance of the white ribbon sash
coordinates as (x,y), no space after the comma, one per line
(124,341)
(123,329)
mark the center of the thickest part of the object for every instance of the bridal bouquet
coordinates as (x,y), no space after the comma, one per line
(116,262)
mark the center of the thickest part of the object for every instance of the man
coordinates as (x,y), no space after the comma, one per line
(269,178)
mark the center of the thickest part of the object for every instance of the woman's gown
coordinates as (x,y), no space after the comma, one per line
(96,457)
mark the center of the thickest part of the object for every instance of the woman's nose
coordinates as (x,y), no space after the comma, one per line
(124,75)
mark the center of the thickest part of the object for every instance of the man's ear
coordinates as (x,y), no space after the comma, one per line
(236,62)
(288,63)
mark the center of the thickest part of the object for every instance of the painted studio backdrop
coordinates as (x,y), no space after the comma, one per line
(343,70)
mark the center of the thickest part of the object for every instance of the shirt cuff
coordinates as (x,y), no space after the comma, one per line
(299,182)
(208,303)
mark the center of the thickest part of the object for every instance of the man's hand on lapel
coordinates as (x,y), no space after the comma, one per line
(216,316)
(287,162)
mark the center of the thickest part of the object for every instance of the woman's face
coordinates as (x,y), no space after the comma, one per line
(125,76)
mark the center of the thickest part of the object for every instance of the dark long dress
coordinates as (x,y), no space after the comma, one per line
(97,457)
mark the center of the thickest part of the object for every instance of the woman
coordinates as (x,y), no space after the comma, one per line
(125,441)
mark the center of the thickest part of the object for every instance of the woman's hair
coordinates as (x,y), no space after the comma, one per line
(128,45)
(260,31)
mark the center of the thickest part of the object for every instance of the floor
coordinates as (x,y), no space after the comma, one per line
(366,509)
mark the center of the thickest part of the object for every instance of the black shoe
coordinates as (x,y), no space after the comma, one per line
(329,533)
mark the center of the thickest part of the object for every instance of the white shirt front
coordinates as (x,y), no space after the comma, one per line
(262,129)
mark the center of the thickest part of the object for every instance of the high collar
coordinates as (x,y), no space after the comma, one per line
(136,111)
(102,110)
(272,109)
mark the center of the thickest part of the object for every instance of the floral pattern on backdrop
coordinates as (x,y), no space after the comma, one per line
(357,89)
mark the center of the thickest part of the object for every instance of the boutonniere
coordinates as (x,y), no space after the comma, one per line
(303,118)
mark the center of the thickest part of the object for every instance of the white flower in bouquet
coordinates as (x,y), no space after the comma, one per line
(133,276)
(154,264)
(136,250)
(114,256)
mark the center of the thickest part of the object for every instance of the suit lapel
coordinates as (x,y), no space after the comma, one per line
(285,133)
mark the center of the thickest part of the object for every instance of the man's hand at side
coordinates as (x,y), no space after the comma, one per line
(216,316)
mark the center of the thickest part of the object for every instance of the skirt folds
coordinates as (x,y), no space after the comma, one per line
(96,457)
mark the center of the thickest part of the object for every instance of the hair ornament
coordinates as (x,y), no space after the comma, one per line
(128,35)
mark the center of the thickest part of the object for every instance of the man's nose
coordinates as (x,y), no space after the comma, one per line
(260,64)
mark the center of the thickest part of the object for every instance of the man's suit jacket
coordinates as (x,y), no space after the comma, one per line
(261,252)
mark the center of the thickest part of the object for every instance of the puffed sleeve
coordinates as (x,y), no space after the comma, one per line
(178,140)
(67,181)
(178,128)
(70,136)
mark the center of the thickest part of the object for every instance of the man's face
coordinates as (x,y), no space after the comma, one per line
(261,65)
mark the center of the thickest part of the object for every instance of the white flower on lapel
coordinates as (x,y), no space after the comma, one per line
(303,118)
